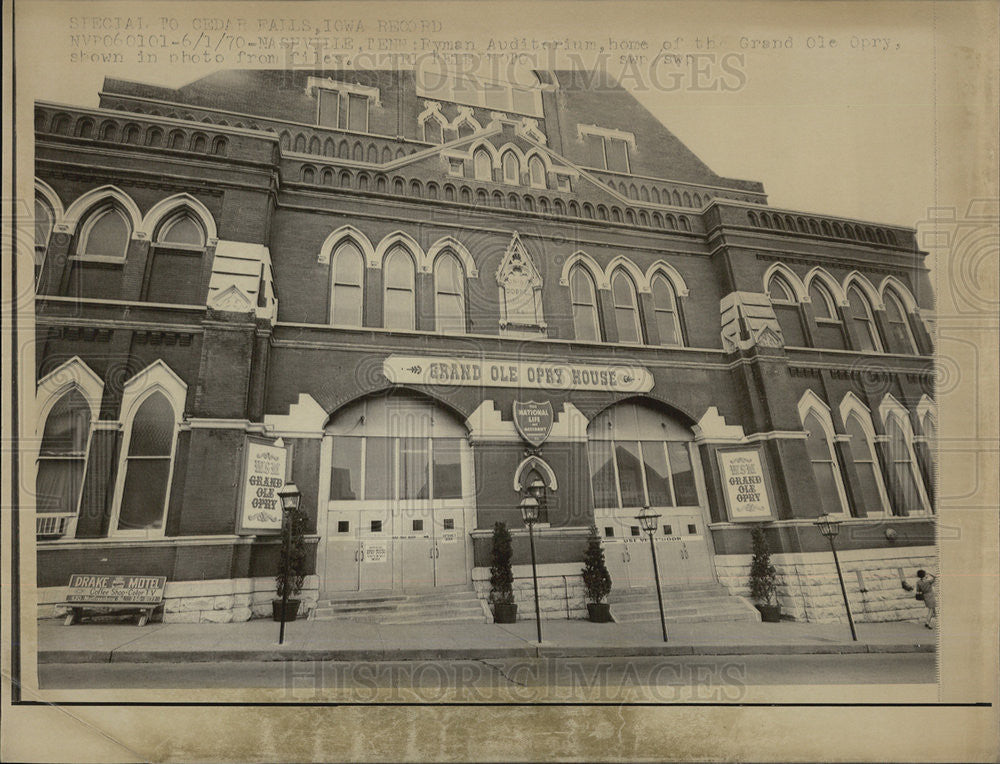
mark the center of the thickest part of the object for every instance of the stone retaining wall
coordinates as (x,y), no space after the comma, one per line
(229,600)
(561,593)
(808,589)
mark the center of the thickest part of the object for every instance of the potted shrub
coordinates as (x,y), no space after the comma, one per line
(596,580)
(292,559)
(763,578)
(502,577)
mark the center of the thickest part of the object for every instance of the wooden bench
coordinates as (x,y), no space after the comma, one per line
(126,595)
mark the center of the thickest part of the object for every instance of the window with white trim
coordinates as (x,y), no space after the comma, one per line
(640,456)
(44,221)
(626,308)
(449,294)
(825,466)
(904,468)
(482,165)
(62,456)
(149,451)
(347,293)
(583,295)
(864,322)
(900,334)
(787,309)
(668,324)
(866,464)
(536,172)
(399,305)
(105,233)
(824,307)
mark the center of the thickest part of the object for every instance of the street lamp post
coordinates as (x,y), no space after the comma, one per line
(830,527)
(290,496)
(648,521)
(529,513)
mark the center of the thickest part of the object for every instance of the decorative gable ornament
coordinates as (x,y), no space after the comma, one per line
(231,300)
(520,286)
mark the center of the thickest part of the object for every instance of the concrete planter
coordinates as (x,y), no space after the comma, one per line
(505,612)
(291,610)
(599,612)
(769,613)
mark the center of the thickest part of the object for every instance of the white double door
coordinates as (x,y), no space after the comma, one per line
(682,553)
(395,547)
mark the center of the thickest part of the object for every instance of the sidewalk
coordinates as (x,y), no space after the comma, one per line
(351,641)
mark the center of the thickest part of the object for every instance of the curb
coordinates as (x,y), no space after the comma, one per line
(462,653)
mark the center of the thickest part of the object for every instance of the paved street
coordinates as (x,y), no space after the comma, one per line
(649,679)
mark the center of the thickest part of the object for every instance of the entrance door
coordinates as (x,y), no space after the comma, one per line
(449,547)
(343,551)
(638,558)
(614,550)
(415,538)
(376,549)
(696,562)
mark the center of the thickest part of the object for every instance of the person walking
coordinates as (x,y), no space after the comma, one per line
(925,591)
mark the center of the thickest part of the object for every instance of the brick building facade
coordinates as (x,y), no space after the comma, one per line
(374,268)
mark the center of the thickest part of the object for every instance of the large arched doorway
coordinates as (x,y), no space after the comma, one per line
(642,455)
(400,497)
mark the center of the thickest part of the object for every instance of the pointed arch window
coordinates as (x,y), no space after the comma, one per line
(787,309)
(432,131)
(400,307)
(584,297)
(824,307)
(147,465)
(863,320)
(626,309)
(903,467)
(347,295)
(780,291)
(182,230)
(536,172)
(62,458)
(900,334)
(449,294)
(44,221)
(106,233)
(825,467)
(482,165)
(866,464)
(665,310)
(511,168)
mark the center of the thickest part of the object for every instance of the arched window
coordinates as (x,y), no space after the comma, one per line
(511,168)
(399,447)
(626,309)
(866,463)
(825,467)
(182,229)
(44,219)
(824,307)
(347,295)
(147,465)
(449,294)
(903,464)
(900,335)
(786,310)
(62,456)
(105,234)
(780,292)
(864,323)
(483,165)
(400,308)
(584,297)
(432,131)
(665,310)
(640,456)
(929,428)
(536,170)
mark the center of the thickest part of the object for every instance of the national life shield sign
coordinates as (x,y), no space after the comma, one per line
(533,420)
